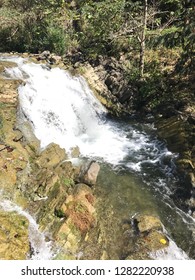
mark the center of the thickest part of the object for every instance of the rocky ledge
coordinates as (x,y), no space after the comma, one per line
(44,183)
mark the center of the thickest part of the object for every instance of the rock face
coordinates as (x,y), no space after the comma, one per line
(14,244)
(8,94)
(106,77)
(178,131)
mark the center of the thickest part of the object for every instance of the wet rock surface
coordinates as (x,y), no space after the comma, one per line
(14,242)
(106,77)
(178,132)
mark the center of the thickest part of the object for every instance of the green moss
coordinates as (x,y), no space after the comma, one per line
(59,213)
(68,182)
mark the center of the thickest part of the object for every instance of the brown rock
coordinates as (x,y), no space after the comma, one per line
(147,223)
(6,64)
(90,177)
(51,156)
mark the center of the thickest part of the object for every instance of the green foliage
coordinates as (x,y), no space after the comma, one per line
(100,21)
(169,38)
(34,26)
(56,39)
(187,61)
(100,27)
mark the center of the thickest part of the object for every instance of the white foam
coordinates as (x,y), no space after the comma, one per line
(63,110)
(172,252)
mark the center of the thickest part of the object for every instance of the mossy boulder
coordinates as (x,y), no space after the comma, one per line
(146,223)
(79,218)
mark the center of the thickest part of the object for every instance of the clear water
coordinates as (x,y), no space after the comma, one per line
(137,174)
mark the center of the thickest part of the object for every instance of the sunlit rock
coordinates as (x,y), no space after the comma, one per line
(51,156)
(14,242)
(90,177)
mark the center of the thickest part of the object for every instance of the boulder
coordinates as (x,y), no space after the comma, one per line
(55,59)
(44,55)
(79,217)
(84,195)
(146,223)
(90,176)
(75,152)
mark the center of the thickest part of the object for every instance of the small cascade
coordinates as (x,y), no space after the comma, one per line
(41,250)
(62,109)
(172,252)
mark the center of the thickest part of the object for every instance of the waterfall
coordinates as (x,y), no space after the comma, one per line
(41,250)
(63,110)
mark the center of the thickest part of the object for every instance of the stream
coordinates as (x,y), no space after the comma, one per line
(137,170)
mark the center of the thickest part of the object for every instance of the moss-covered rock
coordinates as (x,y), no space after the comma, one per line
(145,223)
(14,242)
(51,156)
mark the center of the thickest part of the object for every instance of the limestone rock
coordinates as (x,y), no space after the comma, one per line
(8,91)
(90,177)
(14,243)
(55,59)
(106,77)
(6,64)
(27,130)
(178,131)
(75,152)
(84,195)
(51,156)
(147,223)
(44,55)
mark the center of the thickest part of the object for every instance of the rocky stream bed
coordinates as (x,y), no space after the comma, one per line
(62,197)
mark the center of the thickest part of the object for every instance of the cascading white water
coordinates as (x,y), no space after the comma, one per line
(63,110)
(41,250)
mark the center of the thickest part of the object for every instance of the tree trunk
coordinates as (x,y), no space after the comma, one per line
(143,38)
